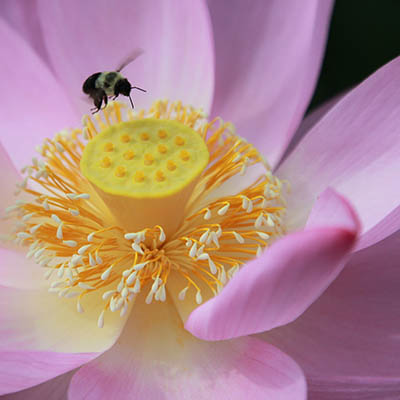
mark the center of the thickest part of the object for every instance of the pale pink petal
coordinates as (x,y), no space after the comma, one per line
(33,104)
(54,389)
(155,358)
(84,37)
(268,56)
(354,148)
(280,285)
(18,272)
(36,320)
(348,341)
(22,369)
(309,121)
(22,15)
(9,177)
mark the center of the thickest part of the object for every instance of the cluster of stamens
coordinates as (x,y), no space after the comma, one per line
(74,236)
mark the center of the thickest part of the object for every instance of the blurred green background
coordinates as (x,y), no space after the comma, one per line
(364,35)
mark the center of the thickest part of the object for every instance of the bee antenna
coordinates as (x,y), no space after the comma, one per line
(133,106)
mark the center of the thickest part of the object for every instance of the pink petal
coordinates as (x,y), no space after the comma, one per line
(348,340)
(98,36)
(39,321)
(268,56)
(20,370)
(54,389)
(22,15)
(156,359)
(34,105)
(354,148)
(276,288)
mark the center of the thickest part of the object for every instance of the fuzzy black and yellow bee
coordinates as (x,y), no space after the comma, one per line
(103,85)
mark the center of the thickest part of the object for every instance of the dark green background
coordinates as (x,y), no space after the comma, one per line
(364,35)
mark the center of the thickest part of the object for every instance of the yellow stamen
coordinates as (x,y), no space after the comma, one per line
(100,219)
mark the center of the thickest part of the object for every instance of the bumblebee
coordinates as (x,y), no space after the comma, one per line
(102,85)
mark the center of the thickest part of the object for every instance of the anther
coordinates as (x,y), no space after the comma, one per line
(106,162)
(108,147)
(185,156)
(144,136)
(179,141)
(162,148)
(148,159)
(162,134)
(139,176)
(171,165)
(120,171)
(125,138)
(128,155)
(160,177)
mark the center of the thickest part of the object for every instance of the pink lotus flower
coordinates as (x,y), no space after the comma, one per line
(341,331)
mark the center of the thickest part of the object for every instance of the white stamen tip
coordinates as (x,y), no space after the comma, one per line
(182,293)
(207,215)
(223,210)
(263,235)
(238,237)
(137,248)
(59,233)
(56,218)
(105,275)
(85,286)
(82,250)
(199,298)
(130,236)
(70,243)
(204,236)
(79,307)
(162,236)
(212,266)
(90,237)
(100,321)
(131,278)
(193,250)
(108,294)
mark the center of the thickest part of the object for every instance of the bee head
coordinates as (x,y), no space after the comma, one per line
(123,86)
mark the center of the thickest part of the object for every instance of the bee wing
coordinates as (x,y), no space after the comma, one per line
(132,57)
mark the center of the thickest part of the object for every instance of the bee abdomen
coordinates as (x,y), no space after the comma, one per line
(90,84)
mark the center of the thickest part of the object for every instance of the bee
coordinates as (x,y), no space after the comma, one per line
(103,85)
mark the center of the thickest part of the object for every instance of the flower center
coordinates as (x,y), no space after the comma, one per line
(145,171)
(160,203)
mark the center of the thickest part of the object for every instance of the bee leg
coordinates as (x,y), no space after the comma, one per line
(138,88)
(97,102)
(105,99)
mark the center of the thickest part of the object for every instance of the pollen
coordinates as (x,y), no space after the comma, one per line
(109,228)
